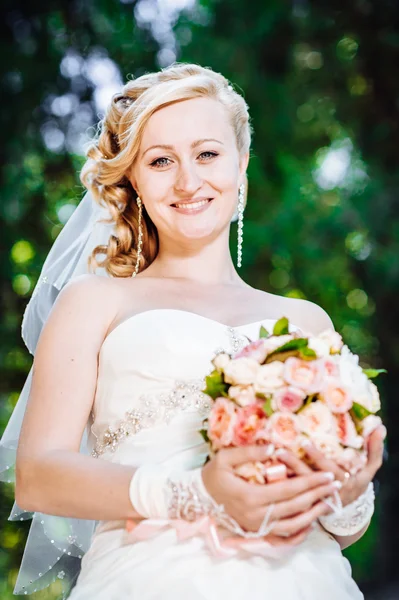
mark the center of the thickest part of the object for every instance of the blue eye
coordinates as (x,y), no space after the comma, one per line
(164,162)
(157,163)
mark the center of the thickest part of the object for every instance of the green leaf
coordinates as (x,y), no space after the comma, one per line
(215,386)
(295,344)
(204,434)
(263,333)
(267,407)
(281,327)
(307,353)
(359,412)
(371,373)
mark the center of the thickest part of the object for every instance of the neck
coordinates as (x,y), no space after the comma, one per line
(208,263)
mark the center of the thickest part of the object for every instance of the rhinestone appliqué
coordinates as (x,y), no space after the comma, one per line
(154,409)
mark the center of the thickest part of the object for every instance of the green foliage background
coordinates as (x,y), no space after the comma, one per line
(320,80)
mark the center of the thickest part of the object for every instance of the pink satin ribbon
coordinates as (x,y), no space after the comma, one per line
(206,527)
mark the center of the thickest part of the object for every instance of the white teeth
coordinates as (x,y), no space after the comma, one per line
(193,205)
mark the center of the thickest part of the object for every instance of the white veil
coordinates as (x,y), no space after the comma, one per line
(55,545)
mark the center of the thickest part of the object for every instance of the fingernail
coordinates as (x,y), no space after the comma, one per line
(337,484)
(306,443)
(268,450)
(330,476)
(281,452)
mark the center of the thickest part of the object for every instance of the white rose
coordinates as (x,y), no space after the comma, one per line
(241,371)
(328,444)
(242,395)
(369,424)
(269,377)
(375,398)
(221,361)
(321,347)
(332,339)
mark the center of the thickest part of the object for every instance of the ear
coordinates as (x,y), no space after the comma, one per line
(244,160)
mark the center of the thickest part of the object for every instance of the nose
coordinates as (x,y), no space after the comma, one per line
(188,180)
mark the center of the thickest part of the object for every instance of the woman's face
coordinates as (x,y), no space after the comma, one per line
(188,169)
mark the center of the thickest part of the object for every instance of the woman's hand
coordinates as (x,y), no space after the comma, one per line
(352,485)
(297,501)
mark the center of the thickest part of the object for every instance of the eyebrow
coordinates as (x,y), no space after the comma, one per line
(193,145)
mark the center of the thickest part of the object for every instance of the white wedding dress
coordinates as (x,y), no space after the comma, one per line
(149,382)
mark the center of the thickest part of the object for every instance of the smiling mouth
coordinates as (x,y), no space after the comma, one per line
(192,205)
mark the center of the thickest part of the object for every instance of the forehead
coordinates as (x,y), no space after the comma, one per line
(188,120)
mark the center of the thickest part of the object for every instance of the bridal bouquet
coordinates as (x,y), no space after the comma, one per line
(286,389)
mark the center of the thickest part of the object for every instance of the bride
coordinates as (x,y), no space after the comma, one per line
(122,358)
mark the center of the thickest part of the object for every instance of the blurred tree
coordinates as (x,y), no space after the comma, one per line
(320,220)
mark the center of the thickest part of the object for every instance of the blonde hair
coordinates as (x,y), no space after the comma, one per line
(116,147)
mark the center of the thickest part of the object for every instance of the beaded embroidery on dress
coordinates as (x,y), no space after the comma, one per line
(148,409)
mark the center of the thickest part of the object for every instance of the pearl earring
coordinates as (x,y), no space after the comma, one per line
(240,211)
(140,236)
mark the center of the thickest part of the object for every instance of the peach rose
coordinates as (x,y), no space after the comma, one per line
(250,420)
(346,431)
(337,397)
(328,444)
(304,374)
(242,394)
(288,398)
(283,428)
(316,418)
(269,377)
(221,423)
(255,350)
(241,371)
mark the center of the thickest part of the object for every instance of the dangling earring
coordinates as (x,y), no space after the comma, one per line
(240,211)
(140,237)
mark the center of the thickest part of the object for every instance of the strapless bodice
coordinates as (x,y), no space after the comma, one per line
(148,403)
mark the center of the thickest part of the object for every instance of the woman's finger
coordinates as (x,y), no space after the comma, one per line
(305,501)
(279,491)
(320,461)
(292,525)
(375,450)
(298,466)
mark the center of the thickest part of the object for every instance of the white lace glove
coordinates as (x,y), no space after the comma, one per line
(353,517)
(156,494)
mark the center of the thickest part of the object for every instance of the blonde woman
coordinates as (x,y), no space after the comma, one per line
(123,356)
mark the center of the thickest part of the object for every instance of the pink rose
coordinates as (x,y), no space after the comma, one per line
(370,424)
(352,460)
(337,397)
(316,418)
(221,423)
(331,367)
(242,394)
(255,350)
(283,428)
(288,398)
(346,431)
(250,420)
(304,374)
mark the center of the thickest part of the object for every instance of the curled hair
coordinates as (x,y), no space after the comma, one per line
(116,146)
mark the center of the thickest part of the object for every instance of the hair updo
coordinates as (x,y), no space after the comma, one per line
(115,148)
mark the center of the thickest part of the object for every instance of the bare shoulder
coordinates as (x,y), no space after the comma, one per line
(307,315)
